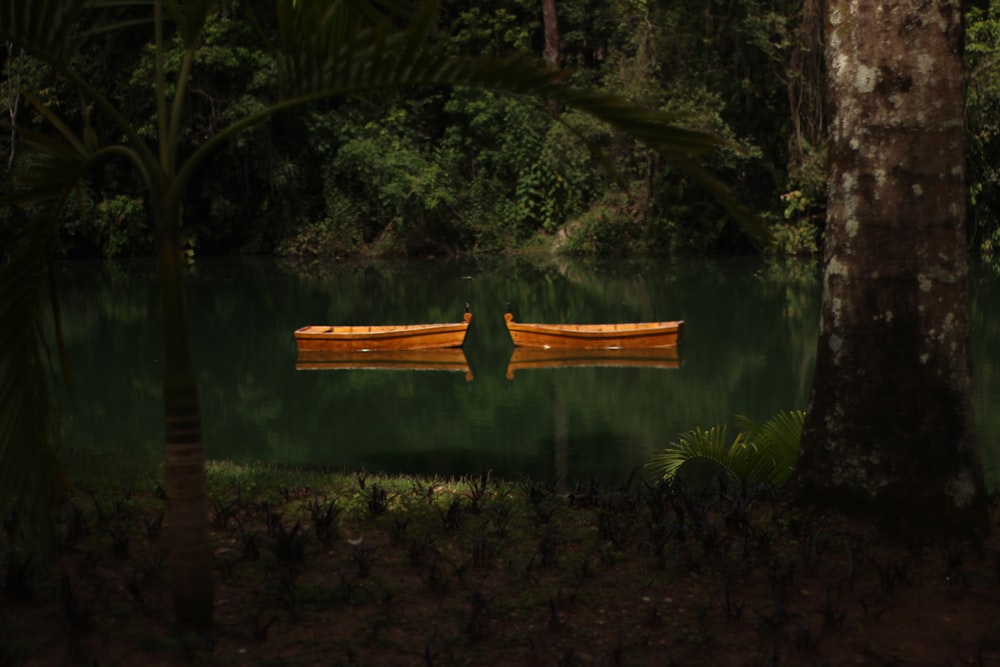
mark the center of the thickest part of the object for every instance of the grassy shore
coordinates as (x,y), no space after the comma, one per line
(358,568)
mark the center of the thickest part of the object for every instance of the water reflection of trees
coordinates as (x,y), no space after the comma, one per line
(744,319)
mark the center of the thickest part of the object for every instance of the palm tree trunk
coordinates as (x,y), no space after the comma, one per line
(190,554)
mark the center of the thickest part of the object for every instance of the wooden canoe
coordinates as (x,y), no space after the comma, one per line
(594,336)
(383,337)
(444,359)
(526,358)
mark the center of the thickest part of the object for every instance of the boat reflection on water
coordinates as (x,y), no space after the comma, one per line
(446,359)
(524,358)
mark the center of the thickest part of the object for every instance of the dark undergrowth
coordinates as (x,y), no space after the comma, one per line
(369,569)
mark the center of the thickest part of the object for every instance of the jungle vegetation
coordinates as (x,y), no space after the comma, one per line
(440,170)
(319,51)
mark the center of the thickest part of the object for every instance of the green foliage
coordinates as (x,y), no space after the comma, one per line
(800,228)
(375,176)
(122,227)
(798,233)
(759,453)
(233,76)
(455,169)
(800,237)
(493,30)
(982,53)
(496,163)
(496,171)
(608,228)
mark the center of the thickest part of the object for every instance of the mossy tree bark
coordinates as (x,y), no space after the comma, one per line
(890,432)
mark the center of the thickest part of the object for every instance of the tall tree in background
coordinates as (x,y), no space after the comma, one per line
(323,49)
(553,50)
(805,87)
(550,25)
(805,75)
(890,431)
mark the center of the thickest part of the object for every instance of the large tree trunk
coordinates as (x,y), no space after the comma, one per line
(890,431)
(190,556)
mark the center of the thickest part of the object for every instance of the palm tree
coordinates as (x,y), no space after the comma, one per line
(323,48)
(761,453)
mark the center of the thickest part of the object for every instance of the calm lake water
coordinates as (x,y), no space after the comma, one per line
(748,348)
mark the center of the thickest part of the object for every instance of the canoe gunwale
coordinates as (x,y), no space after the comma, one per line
(595,336)
(383,336)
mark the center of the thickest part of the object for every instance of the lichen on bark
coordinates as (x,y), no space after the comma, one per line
(890,432)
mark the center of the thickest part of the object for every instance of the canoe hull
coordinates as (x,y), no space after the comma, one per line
(382,337)
(595,336)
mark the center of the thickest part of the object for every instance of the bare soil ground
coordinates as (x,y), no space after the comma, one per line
(384,571)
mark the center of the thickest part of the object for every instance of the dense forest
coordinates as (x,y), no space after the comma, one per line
(444,171)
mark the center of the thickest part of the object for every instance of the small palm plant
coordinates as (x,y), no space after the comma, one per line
(760,452)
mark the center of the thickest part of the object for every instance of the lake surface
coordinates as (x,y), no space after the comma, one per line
(748,348)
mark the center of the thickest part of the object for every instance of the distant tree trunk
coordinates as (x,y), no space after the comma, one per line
(805,86)
(553,48)
(890,432)
(550,23)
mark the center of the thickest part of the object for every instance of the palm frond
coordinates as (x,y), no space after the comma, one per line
(189,16)
(695,445)
(30,477)
(777,441)
(118,15)
(60,165)
(43,27)
(762,453)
